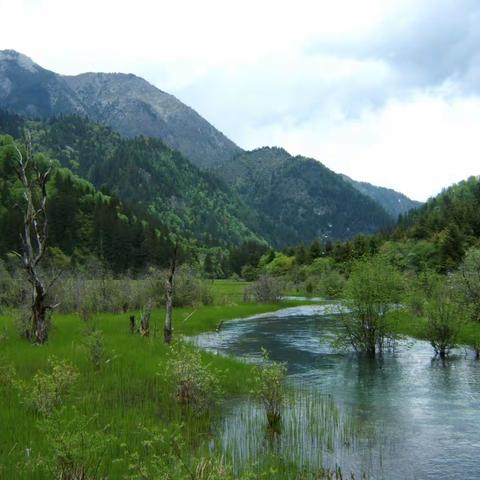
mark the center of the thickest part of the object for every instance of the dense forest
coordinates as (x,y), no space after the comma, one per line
(146,175)
(433,238)
(85,225)
(302,197)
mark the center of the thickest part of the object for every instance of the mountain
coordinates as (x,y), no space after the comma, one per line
(395,203)
(302,196)
(125,102)
(28,89)
(436,235)
(457,208)
(145,160)
(148,176)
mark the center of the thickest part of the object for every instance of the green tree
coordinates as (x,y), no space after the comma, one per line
(445,318)
(373,288)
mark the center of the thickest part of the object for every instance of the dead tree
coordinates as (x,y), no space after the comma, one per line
(169,284)
(34,239)
(145,320)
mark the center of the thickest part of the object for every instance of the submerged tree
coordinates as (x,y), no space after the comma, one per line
(445,318)
(373,289)
(269,388)
(34,236)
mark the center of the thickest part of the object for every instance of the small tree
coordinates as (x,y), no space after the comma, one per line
(373,289)
(269,388)
(265,290)
(445,318)
(34,238)
(195,384)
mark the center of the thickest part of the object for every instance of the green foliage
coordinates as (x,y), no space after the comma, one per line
(163,454)
(280,265)
(83,223)
(266,289)
(48,390)
(373,289)
(248,253)
(451,220)
(74,451)
(249,273)
(445,319)
(94,342)
(196,386)
(301,200)
(467,282)
(161,186)
(7,373)
(269,388)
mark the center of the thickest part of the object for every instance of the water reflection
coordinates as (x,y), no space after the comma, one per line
(418,417)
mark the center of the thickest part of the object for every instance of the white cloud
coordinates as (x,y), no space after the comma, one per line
(385,91)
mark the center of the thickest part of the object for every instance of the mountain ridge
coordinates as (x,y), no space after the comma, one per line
(29,89)
(134,108)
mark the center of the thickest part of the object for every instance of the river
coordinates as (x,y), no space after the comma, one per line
(415,417)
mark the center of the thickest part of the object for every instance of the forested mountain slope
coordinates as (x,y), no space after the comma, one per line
(145,161)
(147,175)
(456,209)
(395,203)
(307,199)
(85,224)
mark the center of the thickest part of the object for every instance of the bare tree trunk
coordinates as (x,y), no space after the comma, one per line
(169,283)
(39,315)
(34,239)
(145,321)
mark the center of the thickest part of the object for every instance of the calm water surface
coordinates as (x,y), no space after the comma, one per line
(418,418)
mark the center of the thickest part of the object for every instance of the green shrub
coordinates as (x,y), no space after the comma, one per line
(445,319)
(74,451)
(48,389)
(195,385)
(266,289)
(94,343)
(269,389)
(7,373)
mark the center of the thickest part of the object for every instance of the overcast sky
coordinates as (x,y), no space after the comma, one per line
(384,91)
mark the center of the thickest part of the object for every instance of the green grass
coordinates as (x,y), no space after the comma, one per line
(127,391)
(227,292)
(405,323)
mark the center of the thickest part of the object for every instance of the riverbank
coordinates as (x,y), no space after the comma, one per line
(126,396)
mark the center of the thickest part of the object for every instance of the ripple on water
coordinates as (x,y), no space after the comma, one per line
(419,417)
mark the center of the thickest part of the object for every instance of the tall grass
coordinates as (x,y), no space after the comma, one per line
(124,396)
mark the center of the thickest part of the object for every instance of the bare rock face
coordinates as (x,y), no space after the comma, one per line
(29,89)
(124,102)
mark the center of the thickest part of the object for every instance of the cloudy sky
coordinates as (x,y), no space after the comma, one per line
(384,91)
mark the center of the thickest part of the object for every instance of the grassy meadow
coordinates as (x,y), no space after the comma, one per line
(126,397)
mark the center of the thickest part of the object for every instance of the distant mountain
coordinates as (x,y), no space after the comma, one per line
(393,202)
(126,103)
(301,196)
(28,89)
